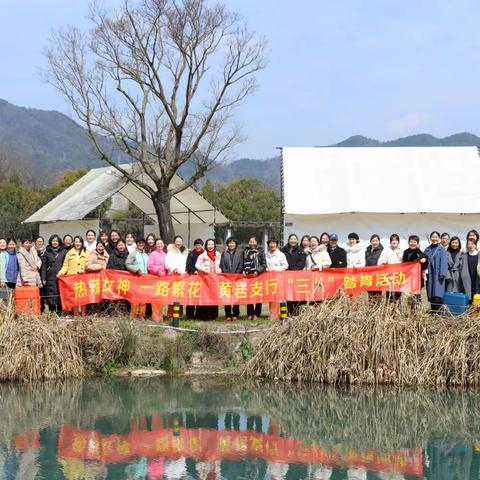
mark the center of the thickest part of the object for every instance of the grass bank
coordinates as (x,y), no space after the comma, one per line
(352,341)
(49,347)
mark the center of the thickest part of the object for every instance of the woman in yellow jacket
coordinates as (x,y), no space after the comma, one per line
(75,259)
(74,262)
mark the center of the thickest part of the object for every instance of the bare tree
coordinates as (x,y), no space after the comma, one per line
(160,79)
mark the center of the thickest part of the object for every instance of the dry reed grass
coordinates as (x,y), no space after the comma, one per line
(353,341)
(101,343)
(34,349)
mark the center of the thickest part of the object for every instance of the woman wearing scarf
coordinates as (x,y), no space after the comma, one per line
(209,262)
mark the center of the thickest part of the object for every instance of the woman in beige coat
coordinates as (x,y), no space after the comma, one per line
(98,259)
(29,264)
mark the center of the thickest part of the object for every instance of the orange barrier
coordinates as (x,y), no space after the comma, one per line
(27,300)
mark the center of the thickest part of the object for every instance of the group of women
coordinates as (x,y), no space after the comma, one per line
(445,265)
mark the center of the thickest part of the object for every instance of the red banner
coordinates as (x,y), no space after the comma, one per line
(209,444)
(230,289)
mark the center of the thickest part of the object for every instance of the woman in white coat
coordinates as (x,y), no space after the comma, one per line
(355,252)
(175,263)
(317,257)
(390,256)
(209,262)
(276,262)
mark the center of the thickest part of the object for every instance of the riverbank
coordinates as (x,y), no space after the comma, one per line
(49,347)
(351,341)
(347,341)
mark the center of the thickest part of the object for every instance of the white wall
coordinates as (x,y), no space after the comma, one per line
(366,224)
(197,230)
(73,227)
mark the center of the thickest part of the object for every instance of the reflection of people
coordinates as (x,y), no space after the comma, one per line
(137,470)
(356,474)
(276,471)
(447,461)
(94,470)
(176,469)
(156,468)
(28,464)
(319,472)
(390,476)
(209,470)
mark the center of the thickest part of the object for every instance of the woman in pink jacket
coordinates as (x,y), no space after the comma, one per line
(156,266)
(209,262)
(156,260)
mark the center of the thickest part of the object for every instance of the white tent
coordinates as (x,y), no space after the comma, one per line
(383,190)
(192,215)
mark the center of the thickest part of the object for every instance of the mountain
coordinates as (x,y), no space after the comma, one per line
(52,143)
(464,139)
(50,140)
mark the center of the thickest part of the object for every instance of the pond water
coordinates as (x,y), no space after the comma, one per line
(206,428)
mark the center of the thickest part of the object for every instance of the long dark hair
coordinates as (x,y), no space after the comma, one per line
(150,248)
(323,234)
(214,244)
(473,232)
(82,248)
(450,249)
(110,236)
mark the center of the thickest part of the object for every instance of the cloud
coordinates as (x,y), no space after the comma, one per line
(411,122)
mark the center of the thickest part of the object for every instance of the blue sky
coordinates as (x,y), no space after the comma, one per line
(379,68)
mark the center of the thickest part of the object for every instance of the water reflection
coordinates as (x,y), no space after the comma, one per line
(217,429)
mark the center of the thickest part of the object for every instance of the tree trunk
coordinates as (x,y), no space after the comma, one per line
(161,202)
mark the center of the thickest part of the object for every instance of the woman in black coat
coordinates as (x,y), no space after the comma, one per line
(117,258)
(414,254)
(195,312)
(372,256)
(296,259)
(52,262)
(232,262)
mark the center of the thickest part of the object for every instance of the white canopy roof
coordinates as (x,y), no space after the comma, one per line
(100,184)
(329,180)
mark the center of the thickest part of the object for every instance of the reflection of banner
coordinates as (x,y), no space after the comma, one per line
(228,289)
(209,444)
